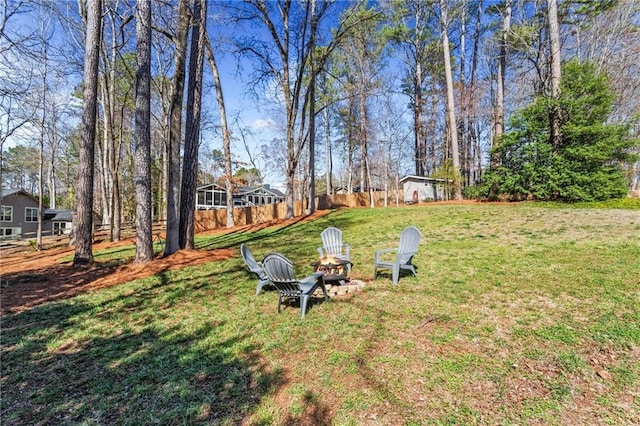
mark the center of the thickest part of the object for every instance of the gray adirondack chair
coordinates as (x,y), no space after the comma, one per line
(408,246)
(332,245)
(279,269)
(254,267)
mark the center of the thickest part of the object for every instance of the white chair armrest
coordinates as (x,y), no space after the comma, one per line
(383,251)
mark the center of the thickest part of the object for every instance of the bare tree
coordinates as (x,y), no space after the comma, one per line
(113,100)
(312,108)
(172,243)
(411,32)
(142,138)
(192,131)
(500,79)
(226,135)
(451,113)
(555,75)
(360,55)
(475,156)
(285,60)
(17,76)
(45,35)
(83,204)
(284,30)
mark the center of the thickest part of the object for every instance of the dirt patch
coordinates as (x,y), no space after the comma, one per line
(29,278)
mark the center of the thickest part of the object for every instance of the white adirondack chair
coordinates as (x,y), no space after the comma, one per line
(407,248)
(332,245)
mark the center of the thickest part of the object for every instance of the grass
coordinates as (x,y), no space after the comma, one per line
(520,314)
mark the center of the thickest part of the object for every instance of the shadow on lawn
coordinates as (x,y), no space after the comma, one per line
(60,366)
(32,287)
(155,374)
(293,241)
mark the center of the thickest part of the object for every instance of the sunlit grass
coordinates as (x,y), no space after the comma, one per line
(521,313)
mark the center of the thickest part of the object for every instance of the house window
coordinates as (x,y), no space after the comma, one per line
(31,214)
(59,227)
(6,213)
(7,232)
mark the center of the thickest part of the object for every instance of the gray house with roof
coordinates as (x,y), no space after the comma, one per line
(213,196)
(19,216)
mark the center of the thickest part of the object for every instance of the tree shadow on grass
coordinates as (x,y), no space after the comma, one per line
(153,374)
(27,288)
(297,229)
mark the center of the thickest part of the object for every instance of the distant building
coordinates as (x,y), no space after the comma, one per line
(211,196)
(422,188)
(214,196)
(19,216)
(60,220)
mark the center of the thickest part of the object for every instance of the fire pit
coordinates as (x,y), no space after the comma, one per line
(334,270)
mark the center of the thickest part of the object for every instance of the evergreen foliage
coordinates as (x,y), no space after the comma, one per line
(588,164)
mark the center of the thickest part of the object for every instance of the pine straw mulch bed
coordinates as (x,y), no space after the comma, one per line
(29,278)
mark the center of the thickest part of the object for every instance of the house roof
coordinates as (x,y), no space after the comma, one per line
(243,190)
(58,215)
(61,215)
(211,186)
(14,191)
(420,178)
(261,190)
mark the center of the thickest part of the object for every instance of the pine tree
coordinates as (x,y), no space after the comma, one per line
(585,165)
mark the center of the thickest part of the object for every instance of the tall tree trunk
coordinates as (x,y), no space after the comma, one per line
(142,137)
(433,112)
(312,111)
(418,122)
(172,243)
(113,159)
(105,153)
(226,136)
(554,40)
(41,162)
(328,163)
(472,99)
(51,169)
(365,171)
(83,203)
(43,121)
(451,113)
(192,131)
(462,133)
(107,147)
(498,127)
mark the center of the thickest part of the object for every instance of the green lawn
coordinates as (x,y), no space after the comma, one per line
(520,314)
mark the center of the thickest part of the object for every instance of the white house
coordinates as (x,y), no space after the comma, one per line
(421,188)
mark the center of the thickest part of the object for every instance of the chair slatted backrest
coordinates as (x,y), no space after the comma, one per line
(332,241)
(408,246)
(279,269)
(251,262)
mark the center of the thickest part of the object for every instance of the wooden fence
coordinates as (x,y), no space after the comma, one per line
(217,218)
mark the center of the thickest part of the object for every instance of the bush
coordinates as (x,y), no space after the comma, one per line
(588,163)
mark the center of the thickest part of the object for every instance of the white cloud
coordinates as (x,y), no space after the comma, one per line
(263,124)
